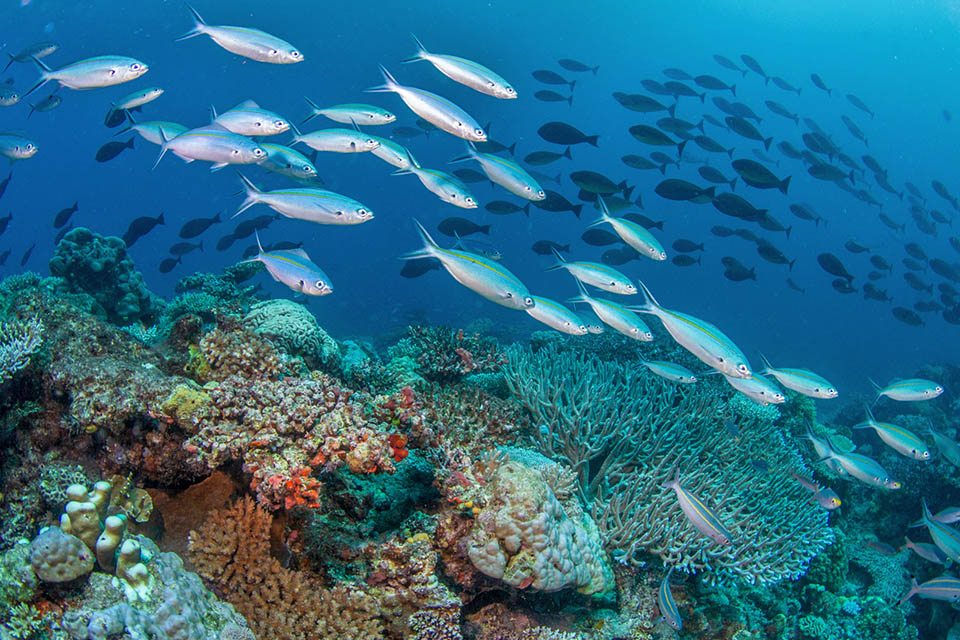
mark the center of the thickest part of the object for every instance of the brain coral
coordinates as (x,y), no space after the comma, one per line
(294,329)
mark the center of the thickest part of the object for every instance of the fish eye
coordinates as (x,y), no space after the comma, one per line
(469,201)
(258,152)
(294,54)
(478,131)
(371,141)
(113,72)
(274,52)
(319,284)
(509,295)
(511,90)
(236,152)
(362,212)
(742,368)
(135,66)
(371,116)
(491,84)
(279,123)
(458,124)
(541,193)
(527,188)
(258,123)
(528,302)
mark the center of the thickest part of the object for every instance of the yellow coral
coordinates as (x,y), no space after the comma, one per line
(184,402)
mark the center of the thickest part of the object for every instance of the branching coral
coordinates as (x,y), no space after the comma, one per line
(445,355)
(18,341)
(626,432)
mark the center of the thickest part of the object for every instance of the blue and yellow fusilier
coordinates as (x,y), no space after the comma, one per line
(337,140)
(700,515)
(392,152)
(669,370)
(556,316)
(668,608)
(466,72)
(294,268)
(864,469)
(445,186)
(358,114)
(15,147)
(506,173)
(212,143)
(822,448)
(615,316)
(250,43)
(138,98)
(943,535)
(901,440)
(153,131)
(800,380)
(910,390)
(312,205)
(91,73)
(488,278)
(949,449)
(632,233)
(598,275)
(288,162)
(699,337)
(438,111)
(946,587)
(250,119)
(760,390)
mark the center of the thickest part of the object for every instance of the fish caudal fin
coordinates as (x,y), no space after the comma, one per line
(650,304)
(44,76)
(430,247)
(389,83)
(198,26)
(164,143)
(914,589)
(560,261)
(419,55)
(253,195)
(314,110)
(785,183)
(584,297)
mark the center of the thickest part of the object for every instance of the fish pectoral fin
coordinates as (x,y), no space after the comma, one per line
(217,166)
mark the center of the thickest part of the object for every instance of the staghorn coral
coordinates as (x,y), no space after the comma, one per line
(445,355)
(293,329)
(625,432)
(232,552)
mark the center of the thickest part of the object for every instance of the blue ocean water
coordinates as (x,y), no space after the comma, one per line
(897,57)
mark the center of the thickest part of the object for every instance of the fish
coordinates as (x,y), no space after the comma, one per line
(858,103)
(802,381)
(687,246)
(832,265)
(313,205)
(788,150)
(469,176)
(193,228)
(783,84)
(747,235)
(909,390)
(614,315)
(337,140)
(772,254)
(907,316)
(26,256)
(249,119)
(901,440)
(183,248)
(27,54)
(716,177)
(733,205)
(553,96)
(5,221)
(4,256)
(557,203)
(295,269)
(709,144)
(547,247)
(702,517)
(782,111)
(743,128)
(668,608)
(9,95)
(949,449)
(633,234)
(90,73)
(768,222)
(617,257)
(820,84)
(806,212)
(540,158)
(855,247)
(676,189)
(825,497)
(445,186)
(925,550)
(212,143)
(354,114)
(565,134)
(246,42)
(167,265)
(594,274)
(288,162)
(599,237)
(715,84)
(653,136)
(760,390)
(843,286)
(502,207)
(754,66)
(110,150)
(556,316)
(727,63)
(702,339)
(946,588)
(417,268)
(63,216)
(140,227)
(226,242)
(461,227)
(656,88)
(577,66)
(864,469)
(465,72)
(551,77)
(596,183)
(483,276)
(669,370)
(506,173)
(49,103)
(14,147)
(641,103)
(154,131)
(916,283)
(677,89)
(944,536)
(721,231)
(757,175)
(678,126)
(793,285)
(436,110)
(492,146)
(137,99)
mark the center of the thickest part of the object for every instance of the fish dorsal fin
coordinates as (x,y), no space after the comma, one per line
(247,104)
(299,252)
(213,126)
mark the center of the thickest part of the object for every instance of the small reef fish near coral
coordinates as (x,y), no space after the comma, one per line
(204,436)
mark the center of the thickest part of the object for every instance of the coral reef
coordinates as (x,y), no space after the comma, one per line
(292,328)
(445,355)
(18,341)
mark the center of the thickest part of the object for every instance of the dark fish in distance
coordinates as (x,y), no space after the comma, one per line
(721,231)
(927,306)
(250,251)
(416,268)
(540,158)
(4,221)
(686,246)
(747,235)
(598,183)
(793,285)
(886,186)
(684,260)
(617,257)
(563,133)
(772,254)
(789,150)
(678,126)
(819,83)
(542,177)
(945,269)
(427,127)
(663,159)
(547,247)
(757,175)
(167,265)
(403,132)
(709,118)
(872,292)
(284,245)
(736,271)
(782,111)
(576,66)
(850,162)
(493,146)
(546,95)
(880,263)
(819,144)
(858,103)
(193,228)
(715,84)
(653,136)
(616,204)
(783,84)
(248,227)
(829,173)
(112,149)
(677,74)
(890,223)
(876,275)
(183,248)
(713,175)
(754,66)
(854,247)
(832,265)
(64,215)
(67,229)
(26,256)
(736,109)
(676,189)
(599,237)
(140,227)
(712,146)
(768,222)
(557,203)
(4,256)
(502,208)
(743,128)
(678,89)
(227,241)
(49,103)
(854,130)
(941,217)
(639,162)
(644,221)
(461,227)
(727,63)
(656,88)
(551,77)
(805,212)
(470,176)
(907,316)
(733,205)
(115,118)
(916,283)
(5,183)
(843,286)
(641,103)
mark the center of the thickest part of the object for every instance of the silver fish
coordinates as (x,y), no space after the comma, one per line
(313,205)
(946,446)
(944,536)
(946,587)
(505,173)
(249,119)
(670,371)
(668,608)
(212,143)
(595,274)
(337,140)
(448,188)
(288,162)
(138,98)
(901,440)
(614,315)
(556,316)
(91,73)
(155,130)
(294,268)
(911,390)
(466,72)
(14,147)
(392,153)
(244,41)
(357,114)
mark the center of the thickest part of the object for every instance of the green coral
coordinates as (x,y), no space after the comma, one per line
(24,623)
(185,402)
(829,568)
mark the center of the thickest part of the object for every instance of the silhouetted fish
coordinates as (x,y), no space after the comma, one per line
(576,66)
(502,207)
(563,133)
(557,203)
(455,226)
(4,221)
(540,158)
(684,260)
(63,216)
(735,271)
(599,237)
(832,265)
(193,228)
(546,95)
(641,103)
(183,248)
(140,227)
(754,66)
(226,242)
(858,103)
(112,149)
(727,63)
(819,83)
(416,268)
(907,316)
(26,256)
(551,77)
(5,183)
(167,265)
(547,247)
